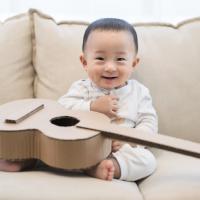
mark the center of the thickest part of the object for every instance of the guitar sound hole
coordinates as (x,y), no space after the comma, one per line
(64,121)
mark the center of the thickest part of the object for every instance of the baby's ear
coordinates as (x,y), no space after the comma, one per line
(83,60)
(135,62)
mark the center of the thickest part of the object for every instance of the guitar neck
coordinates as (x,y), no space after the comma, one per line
(152,140)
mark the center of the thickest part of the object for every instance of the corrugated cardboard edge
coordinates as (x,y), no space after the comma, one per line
(64,154)
(55,146)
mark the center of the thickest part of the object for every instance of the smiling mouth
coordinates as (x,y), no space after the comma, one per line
(109,77)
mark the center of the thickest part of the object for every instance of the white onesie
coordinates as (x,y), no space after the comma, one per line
(135,111)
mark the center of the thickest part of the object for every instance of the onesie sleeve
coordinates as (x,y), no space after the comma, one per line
(77,97)
(147,119)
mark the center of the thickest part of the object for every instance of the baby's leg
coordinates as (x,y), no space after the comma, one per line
(135,163)
(106,170)
(16,166)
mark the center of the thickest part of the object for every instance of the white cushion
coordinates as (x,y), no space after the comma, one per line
(177,177)
(170,67)
(16,71)
(52,184)
(56,55)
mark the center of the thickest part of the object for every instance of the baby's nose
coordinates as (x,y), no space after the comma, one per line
(110,67)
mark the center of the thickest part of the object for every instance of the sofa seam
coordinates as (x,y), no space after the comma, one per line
(33,55)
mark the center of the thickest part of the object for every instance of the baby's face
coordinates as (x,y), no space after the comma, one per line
(109,58)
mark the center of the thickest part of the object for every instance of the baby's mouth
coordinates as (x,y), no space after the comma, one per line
(109,77)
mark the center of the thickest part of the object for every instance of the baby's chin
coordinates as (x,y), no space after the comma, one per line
(111,87)
(109,84)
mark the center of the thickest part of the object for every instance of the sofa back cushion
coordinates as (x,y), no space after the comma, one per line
(56,55)
(16,71)
(169,67)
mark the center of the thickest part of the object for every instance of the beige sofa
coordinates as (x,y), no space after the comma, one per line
(40,58)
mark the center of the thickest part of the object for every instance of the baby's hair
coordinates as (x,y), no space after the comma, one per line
(112,24)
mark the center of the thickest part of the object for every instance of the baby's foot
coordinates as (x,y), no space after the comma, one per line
(9,166)
(104,170)
(16,166)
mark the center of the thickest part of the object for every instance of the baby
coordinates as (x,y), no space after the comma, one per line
(109,57)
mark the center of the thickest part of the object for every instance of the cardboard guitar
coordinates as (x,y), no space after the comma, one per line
(68,139)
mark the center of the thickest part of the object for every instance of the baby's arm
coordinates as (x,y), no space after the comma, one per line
(76,98)
(147,118)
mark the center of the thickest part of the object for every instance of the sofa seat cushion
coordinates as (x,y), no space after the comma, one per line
(17,73)
(52,184)
(177,177)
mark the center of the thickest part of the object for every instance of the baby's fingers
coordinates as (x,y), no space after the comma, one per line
(114,98)
(112,114)
(115,108)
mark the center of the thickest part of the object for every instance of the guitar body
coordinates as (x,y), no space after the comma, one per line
(51,134)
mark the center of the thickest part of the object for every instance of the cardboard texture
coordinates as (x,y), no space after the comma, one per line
(156,140)
(70,139)
(50,135)
(21,115)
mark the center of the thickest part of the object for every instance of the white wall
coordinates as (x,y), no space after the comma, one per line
(88,10)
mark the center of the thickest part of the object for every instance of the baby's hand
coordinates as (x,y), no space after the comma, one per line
(116,145)
(107,105)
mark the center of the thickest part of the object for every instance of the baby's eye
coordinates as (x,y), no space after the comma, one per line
(121,59)
(99,58)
